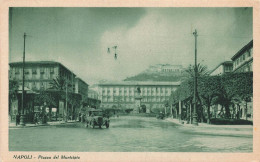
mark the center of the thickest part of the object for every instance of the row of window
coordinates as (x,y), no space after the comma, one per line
(243,57)
(170,70)
(33,70)
(147,99)
(28,77)
(142,91)
(143,95)
(132,106)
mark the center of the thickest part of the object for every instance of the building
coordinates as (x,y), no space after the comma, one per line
(93,99)
(243,62)
(124,94)
(39,74)
(81,87)
(165,68)
(222,68)
(243,59)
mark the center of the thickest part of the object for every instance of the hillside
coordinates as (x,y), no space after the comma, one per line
(157,76)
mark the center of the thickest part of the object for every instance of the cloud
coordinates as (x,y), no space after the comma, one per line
(153,40)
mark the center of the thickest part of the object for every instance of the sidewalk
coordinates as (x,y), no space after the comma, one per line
(13,124)
(176,121)
(224,130)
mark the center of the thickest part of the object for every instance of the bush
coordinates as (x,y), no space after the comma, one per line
(222,121)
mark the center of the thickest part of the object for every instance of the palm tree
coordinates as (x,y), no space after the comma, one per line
(59,83)
(202,70)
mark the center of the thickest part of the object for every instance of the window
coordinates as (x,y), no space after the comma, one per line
(17,71)
(34,71)
(34,85)
(42,70)
(42,85)
(249,53)
(52,70)
(243,57)
(26,71)
(26,84)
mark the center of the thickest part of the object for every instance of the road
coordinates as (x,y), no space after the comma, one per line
(130,134)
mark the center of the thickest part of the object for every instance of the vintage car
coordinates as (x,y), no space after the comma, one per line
(96,117)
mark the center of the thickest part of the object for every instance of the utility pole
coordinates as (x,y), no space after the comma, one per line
(66,104)
(22,117)
(195,121)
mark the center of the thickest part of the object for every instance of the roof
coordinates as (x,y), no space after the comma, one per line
(115,83)
(82,80)
(242,50)
(20,63)
(222,63)
(92,91)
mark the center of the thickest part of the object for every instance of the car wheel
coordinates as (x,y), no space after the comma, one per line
(99,126)
(107,125)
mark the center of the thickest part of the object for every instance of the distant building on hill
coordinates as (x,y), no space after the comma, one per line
(165,68)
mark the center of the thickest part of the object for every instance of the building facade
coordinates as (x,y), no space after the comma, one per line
(81,87)
(165,68)
(222,68)
(123,94)
(243,59)
(93,99)
(243,62)
(39,74)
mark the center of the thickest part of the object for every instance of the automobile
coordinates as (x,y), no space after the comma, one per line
(96,117)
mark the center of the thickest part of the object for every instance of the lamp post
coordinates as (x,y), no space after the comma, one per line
(22,118)
(195,121)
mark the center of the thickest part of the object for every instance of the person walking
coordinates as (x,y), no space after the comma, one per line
(17,119)
(36,119)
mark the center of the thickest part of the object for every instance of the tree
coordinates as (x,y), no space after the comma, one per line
(238,87)
(45,97)
(208,89)
(202,70)
(13,88)
(74,100)
(59,83)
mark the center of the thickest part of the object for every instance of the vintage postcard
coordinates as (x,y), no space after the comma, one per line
(129,81)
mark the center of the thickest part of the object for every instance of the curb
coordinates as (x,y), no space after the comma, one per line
(40,125)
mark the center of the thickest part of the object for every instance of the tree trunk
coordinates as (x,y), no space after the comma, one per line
(238,111)
(246,111)
(227,114)
(208,121)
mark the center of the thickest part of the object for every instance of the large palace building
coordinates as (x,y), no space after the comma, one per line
(125,93)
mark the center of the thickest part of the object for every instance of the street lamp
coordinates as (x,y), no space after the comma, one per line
(195,121)
(114,47)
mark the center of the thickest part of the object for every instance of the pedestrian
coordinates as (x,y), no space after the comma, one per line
(17,119)
(79,117)
(36,118)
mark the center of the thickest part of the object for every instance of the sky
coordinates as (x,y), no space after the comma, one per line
(79,37)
